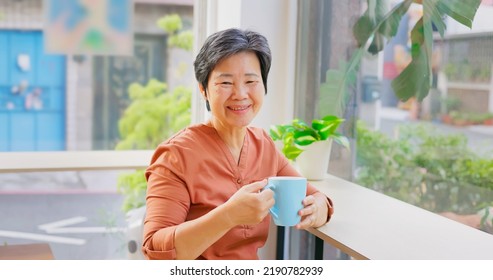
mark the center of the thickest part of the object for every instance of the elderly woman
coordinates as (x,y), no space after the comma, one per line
(204,195)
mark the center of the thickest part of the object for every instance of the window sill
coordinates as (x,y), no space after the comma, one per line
(12,162)
(370,225)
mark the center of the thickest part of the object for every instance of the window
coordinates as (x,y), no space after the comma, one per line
(408,150)
(64,107)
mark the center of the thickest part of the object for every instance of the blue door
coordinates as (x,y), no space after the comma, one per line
(32,94)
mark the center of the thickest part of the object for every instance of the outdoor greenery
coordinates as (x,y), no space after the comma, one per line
(178,38)
(468,72)
(437,172)
(154,114)
(470,118)
(297,135)
(453,115)
(450,103)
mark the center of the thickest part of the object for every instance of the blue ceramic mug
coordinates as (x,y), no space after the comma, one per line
(289,193)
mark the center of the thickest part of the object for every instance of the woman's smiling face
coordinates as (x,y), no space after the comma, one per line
(235,90)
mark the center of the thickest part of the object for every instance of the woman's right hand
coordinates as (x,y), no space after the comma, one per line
(250,204)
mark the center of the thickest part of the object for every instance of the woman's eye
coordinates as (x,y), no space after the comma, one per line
(250,83)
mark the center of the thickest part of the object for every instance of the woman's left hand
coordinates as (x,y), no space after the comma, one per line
(315,211)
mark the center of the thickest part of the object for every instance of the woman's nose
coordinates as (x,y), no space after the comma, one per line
(240,91)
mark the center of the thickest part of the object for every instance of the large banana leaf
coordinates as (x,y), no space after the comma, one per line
(379,23)
(334,93)
(376,26)
(415,80)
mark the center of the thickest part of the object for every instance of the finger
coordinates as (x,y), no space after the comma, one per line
(310,199)
(306,222)
(270,203)
(267,194)
(311,209)
(256,186)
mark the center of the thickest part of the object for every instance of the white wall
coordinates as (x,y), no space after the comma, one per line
(228,14)
(276,19)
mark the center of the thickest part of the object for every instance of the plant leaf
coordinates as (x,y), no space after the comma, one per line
(462,11)
(332,118)
(304,138)
(330,102)
(326,128)
(362,29)
(300,125)
(390,23)
(341,140)
(288,137)
(291,152)
(436,16)
(334,93)
(419,70)
(376,24)
(275,132)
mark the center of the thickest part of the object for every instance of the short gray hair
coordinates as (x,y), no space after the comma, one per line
(229,42)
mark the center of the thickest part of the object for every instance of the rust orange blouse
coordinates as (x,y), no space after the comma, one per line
(192,173)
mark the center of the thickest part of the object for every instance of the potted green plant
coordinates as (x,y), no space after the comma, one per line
(310,145)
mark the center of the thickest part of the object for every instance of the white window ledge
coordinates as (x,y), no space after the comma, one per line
(11,162)
(370,225)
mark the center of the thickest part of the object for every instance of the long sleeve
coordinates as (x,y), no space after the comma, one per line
(168,203)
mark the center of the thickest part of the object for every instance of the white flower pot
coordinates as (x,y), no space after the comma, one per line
(313,163)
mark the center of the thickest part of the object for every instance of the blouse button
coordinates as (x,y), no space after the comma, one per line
(238,180)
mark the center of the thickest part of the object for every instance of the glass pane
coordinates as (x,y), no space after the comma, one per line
(78,214)
(62,101)
(412,150)
(436,154)
(325,43)
(52,102)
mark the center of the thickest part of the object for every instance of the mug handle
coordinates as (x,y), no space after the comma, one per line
(272,210)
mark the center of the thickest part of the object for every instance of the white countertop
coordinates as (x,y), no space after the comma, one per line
(369,225)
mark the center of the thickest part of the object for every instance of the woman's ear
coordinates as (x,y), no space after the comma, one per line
(204,94)
(202,91)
